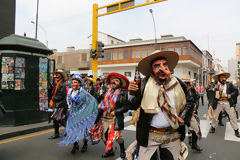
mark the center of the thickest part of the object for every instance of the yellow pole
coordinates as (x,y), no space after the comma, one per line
(94,41)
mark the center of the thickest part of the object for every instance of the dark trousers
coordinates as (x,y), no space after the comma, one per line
(201,97)
(56,127)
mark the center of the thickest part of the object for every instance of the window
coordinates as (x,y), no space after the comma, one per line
(131,53)
(178,49)
(109,56)
(150,51)
(84,57)
(114,55)
(170,48)
(137,51)
(112,42)
(157,47)
(59,60)
(185,50)
(120,54)
(127,74)
(163,47)
(144,52)
(126,53)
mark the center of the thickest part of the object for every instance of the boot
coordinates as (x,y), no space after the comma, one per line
(220,123)
(122,151)
(195,146)
(212,130)
(75,148)
(237,133)
(84,147)
(109,153)
(237,114)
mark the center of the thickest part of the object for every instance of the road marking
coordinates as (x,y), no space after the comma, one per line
(130,128)
(229,133)
(28,136)
(205,127)
(127,118)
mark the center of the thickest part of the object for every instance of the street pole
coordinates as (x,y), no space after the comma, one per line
(36,20)
(151,11)
(44,30)
(94,41)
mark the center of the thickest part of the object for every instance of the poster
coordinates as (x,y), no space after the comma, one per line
(43,103)
(19,73)
(19,84)
(43,92)
(20,62)
(13,73)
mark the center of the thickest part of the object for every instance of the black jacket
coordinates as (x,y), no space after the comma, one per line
(145,119)
(231,89)
(121,106)
(60,98)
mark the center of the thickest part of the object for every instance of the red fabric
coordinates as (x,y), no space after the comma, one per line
(97,132)
(198,89)
(112,136)
(118,75)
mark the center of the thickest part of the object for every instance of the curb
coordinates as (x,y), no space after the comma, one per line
(24,132)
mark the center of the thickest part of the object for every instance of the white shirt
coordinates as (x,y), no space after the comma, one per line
(74,93)
(159,120)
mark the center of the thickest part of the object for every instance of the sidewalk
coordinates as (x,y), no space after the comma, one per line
(9,132)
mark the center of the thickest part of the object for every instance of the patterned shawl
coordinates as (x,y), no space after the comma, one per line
(81,118)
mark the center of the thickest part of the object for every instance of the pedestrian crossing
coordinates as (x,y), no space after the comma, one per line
(205,128)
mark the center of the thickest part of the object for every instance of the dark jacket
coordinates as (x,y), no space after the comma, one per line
(60,98)
(121,106)
(231,89)
(145,119)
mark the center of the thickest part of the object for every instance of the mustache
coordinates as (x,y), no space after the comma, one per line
(160,73)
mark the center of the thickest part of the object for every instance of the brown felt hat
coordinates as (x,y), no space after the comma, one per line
(144,66)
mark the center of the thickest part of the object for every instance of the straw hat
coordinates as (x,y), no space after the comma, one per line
(62,73)
(186,78)
(124,80)
(144,66)
(226,74)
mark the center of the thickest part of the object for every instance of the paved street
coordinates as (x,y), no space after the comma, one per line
(221,146)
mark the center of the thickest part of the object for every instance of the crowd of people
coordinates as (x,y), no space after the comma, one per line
(164,106)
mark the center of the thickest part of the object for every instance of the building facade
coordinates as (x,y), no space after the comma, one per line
(106,39)
(207,69)
(232,68)
(75,61)
(238,60)
(7,17)
(124,57)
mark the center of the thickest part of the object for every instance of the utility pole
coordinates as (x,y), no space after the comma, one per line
(110,9)
(36,20)
(151,11)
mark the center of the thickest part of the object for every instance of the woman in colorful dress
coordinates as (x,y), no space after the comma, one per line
(83,110)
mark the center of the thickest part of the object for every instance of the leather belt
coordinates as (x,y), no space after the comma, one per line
(223,99)
(162,131)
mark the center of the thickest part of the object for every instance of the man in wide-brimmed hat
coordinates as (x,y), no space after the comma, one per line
(223,94)
(113,104)
(58,100)
(165,105)
(194,125)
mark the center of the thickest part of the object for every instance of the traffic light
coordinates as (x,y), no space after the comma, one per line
(100,49)
(93,53)
(99,52)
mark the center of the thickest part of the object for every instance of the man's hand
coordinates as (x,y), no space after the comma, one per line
(180,120)
(229,96)
(51,104)
(133,88)
(112,113)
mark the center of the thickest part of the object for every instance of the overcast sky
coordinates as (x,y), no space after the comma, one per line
(212,25)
